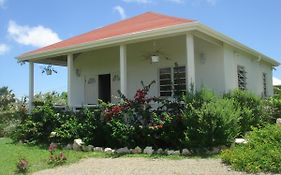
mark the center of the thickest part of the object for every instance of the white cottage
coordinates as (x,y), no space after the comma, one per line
(177,53)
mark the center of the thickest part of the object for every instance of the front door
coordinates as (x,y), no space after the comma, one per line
(105,88)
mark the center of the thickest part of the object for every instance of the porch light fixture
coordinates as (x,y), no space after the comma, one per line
(202,58)
(78,72)
(155,58)
(116,77)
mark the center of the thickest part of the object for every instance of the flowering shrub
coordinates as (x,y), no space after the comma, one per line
(56,158)
(199,119)
(22,166)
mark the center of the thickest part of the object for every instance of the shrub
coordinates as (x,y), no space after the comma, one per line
(214,120)
(273,107)
(261,154)
(252,109)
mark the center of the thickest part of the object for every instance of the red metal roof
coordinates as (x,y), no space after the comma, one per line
(143,22)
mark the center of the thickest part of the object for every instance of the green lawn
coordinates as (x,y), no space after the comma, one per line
(36,156)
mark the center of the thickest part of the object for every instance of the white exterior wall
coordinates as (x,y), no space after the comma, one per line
(91,64)
(209,66)
(254,69)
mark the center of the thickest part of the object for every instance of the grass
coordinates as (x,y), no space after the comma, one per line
(38,156)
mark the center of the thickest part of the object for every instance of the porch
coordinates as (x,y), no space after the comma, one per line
(99,73)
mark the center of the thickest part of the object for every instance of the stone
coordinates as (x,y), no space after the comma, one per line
(77,144)
(160,151)
(173,152)
(136,150)
(53,134)
(278,121)
(185,152)
(148,150)
(108,150)
(240,141)
(87,148)
(98,149)
(124,150)
(215,150)
(68,147)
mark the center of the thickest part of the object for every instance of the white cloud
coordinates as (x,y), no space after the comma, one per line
(2,3)
(276,81)
(177,1)
(139,1)
(38,36)
(121,11)
(4,49)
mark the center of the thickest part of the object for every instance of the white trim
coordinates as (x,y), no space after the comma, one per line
(190,64)
(31,86)
(123,69)
(69,78)
(134,37)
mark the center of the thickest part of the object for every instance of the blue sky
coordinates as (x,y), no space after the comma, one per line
(25,25)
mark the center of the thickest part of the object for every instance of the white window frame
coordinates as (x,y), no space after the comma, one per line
(264,84)
(172,80)
(241,68)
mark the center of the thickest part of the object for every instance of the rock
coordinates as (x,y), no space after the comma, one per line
(124,150)
(172,152)
(108,150)
(91,147)
(77,144)
(98,149)
(215,150)
(136,150)
(185,152)
(240,141)
(160,151)
(87,148)
(148,150)
(68,147)
(278,121)
(53,134)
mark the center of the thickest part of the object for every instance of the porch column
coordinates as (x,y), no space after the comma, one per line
(190,65)
(69,79)
(31,86)
(123,69)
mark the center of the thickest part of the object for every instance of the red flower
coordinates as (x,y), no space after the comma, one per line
(116,110)
(50,148)
(140,95)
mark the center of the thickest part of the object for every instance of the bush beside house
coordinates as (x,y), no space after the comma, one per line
(261,153)
(195,120)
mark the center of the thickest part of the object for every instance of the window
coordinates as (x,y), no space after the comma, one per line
(179,80)
(165,82)
(172,81)
(264,84)
(241,73)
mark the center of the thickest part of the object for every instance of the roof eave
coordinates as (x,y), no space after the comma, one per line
(148,34)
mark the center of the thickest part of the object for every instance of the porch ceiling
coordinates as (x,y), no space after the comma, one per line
(58,60)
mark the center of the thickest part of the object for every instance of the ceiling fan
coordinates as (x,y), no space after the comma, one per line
(155,55)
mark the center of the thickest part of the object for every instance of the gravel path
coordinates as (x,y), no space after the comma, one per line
(142,166)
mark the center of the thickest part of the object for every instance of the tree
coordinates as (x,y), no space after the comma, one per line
(7,98)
